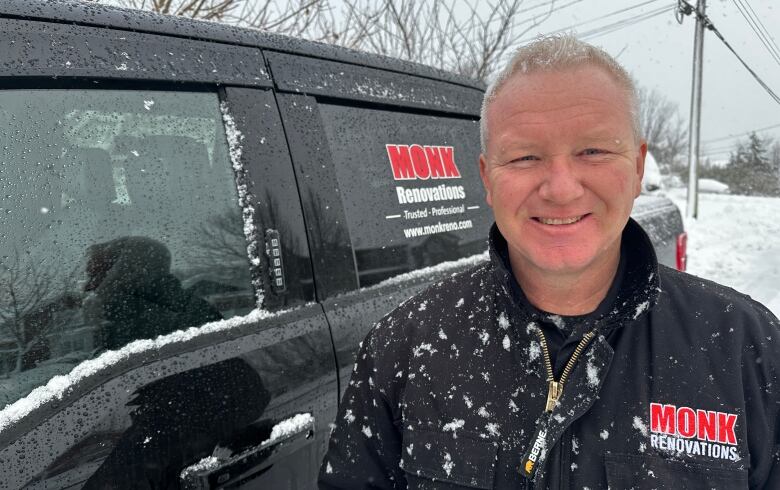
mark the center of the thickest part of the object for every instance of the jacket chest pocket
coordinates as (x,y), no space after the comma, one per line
(653,472)
(443,460)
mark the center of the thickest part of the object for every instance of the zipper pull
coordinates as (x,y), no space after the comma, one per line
(554,390)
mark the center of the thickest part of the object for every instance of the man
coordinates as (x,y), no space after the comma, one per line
(572,359)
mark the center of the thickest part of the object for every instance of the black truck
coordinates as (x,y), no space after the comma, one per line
(199,225)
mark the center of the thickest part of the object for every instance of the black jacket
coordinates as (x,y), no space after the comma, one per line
(677,389)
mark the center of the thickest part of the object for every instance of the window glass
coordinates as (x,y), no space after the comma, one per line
(119,221)
(410,187)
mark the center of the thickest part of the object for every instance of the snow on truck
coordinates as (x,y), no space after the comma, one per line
(200,223)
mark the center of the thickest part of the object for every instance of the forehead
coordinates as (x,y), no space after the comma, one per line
(573,101)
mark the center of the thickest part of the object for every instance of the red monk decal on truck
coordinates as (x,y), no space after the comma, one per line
(693,431)
(422,162)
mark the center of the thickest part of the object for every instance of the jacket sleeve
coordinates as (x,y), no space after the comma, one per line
(365,445)
(773,481)
(761,377)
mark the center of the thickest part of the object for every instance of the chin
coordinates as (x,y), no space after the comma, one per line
(562,261)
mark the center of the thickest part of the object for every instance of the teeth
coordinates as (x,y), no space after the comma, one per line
(561,221)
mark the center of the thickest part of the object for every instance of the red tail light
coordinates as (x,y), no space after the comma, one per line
(682,251)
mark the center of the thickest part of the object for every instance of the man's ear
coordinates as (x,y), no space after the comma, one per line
(640,165)
(483,173)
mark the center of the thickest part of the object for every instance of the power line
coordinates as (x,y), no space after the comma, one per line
(731,136)
(709,25)
(534,7)
(718,151)
(767,35)
(568,28)
(606,15)
(754,26)
(600,31)
(551,3)
(747,67)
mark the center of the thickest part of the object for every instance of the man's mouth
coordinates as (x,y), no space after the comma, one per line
(559,221)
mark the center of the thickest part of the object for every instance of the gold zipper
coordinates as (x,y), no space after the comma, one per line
(555,388)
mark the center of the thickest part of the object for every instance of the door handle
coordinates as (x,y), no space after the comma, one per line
(286,437)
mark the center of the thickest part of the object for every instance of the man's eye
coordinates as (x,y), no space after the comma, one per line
(593,151)
(526,158)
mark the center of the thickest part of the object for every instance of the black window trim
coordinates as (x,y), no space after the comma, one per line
(99,52)
(321,77)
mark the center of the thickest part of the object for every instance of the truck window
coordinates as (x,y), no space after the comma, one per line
(410,187)
(119,222)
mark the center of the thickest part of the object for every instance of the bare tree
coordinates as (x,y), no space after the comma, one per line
(30,293)
(664,129)
(774,156)
(465,37)
(468,37)
(215,10)
(293,17)
(299,18)
(222,242)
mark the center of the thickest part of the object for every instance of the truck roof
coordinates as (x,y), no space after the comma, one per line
(97,15)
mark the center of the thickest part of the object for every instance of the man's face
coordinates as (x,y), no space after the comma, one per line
(562,168)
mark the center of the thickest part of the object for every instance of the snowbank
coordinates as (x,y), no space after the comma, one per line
(652,179)
(734,242)
(712,186)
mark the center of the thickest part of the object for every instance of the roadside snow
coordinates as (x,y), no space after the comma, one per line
(735,242)
(712,185)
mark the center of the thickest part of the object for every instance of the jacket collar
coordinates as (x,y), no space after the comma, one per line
(638,290)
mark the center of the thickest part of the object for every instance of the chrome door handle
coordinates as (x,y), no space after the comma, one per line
(286,437)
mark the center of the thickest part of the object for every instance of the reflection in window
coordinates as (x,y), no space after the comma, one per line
(119,221)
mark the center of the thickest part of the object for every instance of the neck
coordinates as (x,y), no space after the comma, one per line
(567,293)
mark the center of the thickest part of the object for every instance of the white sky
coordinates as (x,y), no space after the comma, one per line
(659,53)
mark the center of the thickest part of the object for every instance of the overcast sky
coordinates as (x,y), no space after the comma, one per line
(659,52)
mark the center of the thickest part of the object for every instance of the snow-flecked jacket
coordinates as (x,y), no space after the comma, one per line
(678,389)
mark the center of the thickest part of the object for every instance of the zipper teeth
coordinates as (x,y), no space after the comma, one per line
(546,354)
(576,355)
(572,360)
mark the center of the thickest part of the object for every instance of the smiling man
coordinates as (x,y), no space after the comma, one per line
(562,167)
(572,359)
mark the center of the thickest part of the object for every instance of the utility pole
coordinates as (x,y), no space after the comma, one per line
(693,130)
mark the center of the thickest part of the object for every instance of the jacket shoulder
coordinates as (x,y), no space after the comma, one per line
(417,326)
(425,316)
(448,296)
(714,301)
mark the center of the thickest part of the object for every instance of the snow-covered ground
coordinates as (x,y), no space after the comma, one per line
(736,241)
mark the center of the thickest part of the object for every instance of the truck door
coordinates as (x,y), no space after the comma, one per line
(157,323)
(388,168)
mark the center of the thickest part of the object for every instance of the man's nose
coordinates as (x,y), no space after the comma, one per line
(561,182)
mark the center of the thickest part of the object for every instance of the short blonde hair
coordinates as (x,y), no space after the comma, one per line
(557,52)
